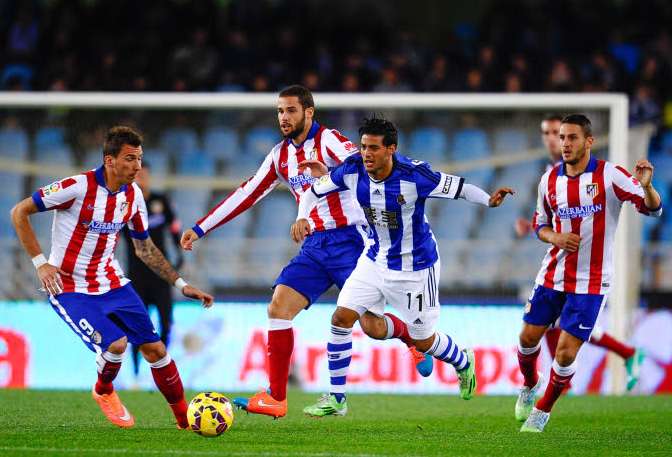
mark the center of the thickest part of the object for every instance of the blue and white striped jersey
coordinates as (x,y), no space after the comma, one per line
(395,208)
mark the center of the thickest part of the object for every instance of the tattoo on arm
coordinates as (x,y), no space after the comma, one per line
(147,251)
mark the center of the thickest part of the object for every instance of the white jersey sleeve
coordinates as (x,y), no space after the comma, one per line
(627,188)
(60,194)
(243,198)
(138,224)
(543,215)
(336,148)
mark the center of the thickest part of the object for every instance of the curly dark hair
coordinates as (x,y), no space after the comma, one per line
(375,125)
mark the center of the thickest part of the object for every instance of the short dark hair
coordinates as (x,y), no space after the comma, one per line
(580,120)
(117,137)
(553,117)
(379,126)
(303,93)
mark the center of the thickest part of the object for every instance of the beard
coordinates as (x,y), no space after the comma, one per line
(297,130)
(581,153)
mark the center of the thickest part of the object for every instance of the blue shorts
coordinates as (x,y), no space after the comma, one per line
(326,258)
(100,320)
(577,312)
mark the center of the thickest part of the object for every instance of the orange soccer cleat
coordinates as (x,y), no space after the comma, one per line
(262,403)
(114,410)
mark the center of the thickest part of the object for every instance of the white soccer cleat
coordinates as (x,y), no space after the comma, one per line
(536,421)
(526,398)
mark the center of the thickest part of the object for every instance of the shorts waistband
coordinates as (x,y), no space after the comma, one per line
(337,230)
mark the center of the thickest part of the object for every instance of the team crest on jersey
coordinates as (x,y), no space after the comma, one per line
(51,188)
(593,190)
(312,154)
(401,200)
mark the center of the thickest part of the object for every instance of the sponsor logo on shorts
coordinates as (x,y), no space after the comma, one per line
(528,307)
(96,337)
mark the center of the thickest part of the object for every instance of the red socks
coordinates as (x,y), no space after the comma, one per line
(167,379)
(399,329)
(280,347)
(608,342)
(527,361)
(108,368)
(560,379)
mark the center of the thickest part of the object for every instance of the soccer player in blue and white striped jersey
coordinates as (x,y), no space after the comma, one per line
(401,264)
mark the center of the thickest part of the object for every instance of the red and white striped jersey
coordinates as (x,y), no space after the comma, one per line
(87,222)
(281,165)
(589,206)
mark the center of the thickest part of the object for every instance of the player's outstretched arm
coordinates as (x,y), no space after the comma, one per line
(147,251)
(48,274)
(497,197)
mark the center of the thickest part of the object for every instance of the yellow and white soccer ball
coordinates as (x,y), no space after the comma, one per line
(210,414)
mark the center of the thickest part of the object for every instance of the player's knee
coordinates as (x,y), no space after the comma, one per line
(528,339)
(153,352)
(344,318)
(374,326)
(118,346)
(565,356)
(278,310)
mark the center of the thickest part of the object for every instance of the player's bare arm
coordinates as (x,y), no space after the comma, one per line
(497,197)
(644,173)
(147,251)
(567,241)
(48,274)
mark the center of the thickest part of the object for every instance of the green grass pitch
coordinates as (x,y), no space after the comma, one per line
(46,423)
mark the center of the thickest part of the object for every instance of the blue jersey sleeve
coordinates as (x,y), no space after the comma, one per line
(435,184)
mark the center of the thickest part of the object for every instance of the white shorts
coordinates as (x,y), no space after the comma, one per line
(414,294)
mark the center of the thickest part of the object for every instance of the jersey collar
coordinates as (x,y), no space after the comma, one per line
(591,167)
(311,134)
(100,179)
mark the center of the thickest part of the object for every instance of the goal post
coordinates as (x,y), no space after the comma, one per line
(625,290)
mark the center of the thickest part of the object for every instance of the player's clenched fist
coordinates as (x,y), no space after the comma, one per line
(643,172)
(567,241)
(299,230)
(188,238)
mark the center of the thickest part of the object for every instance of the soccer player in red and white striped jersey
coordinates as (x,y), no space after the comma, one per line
(327,257)
(86,286)
(633,357)
(578,205)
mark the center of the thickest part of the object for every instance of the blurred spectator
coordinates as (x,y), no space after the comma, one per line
(643,105)
(513,83)
(390,82)
(474,81)
(196,62)
(561,78)
(311,80)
